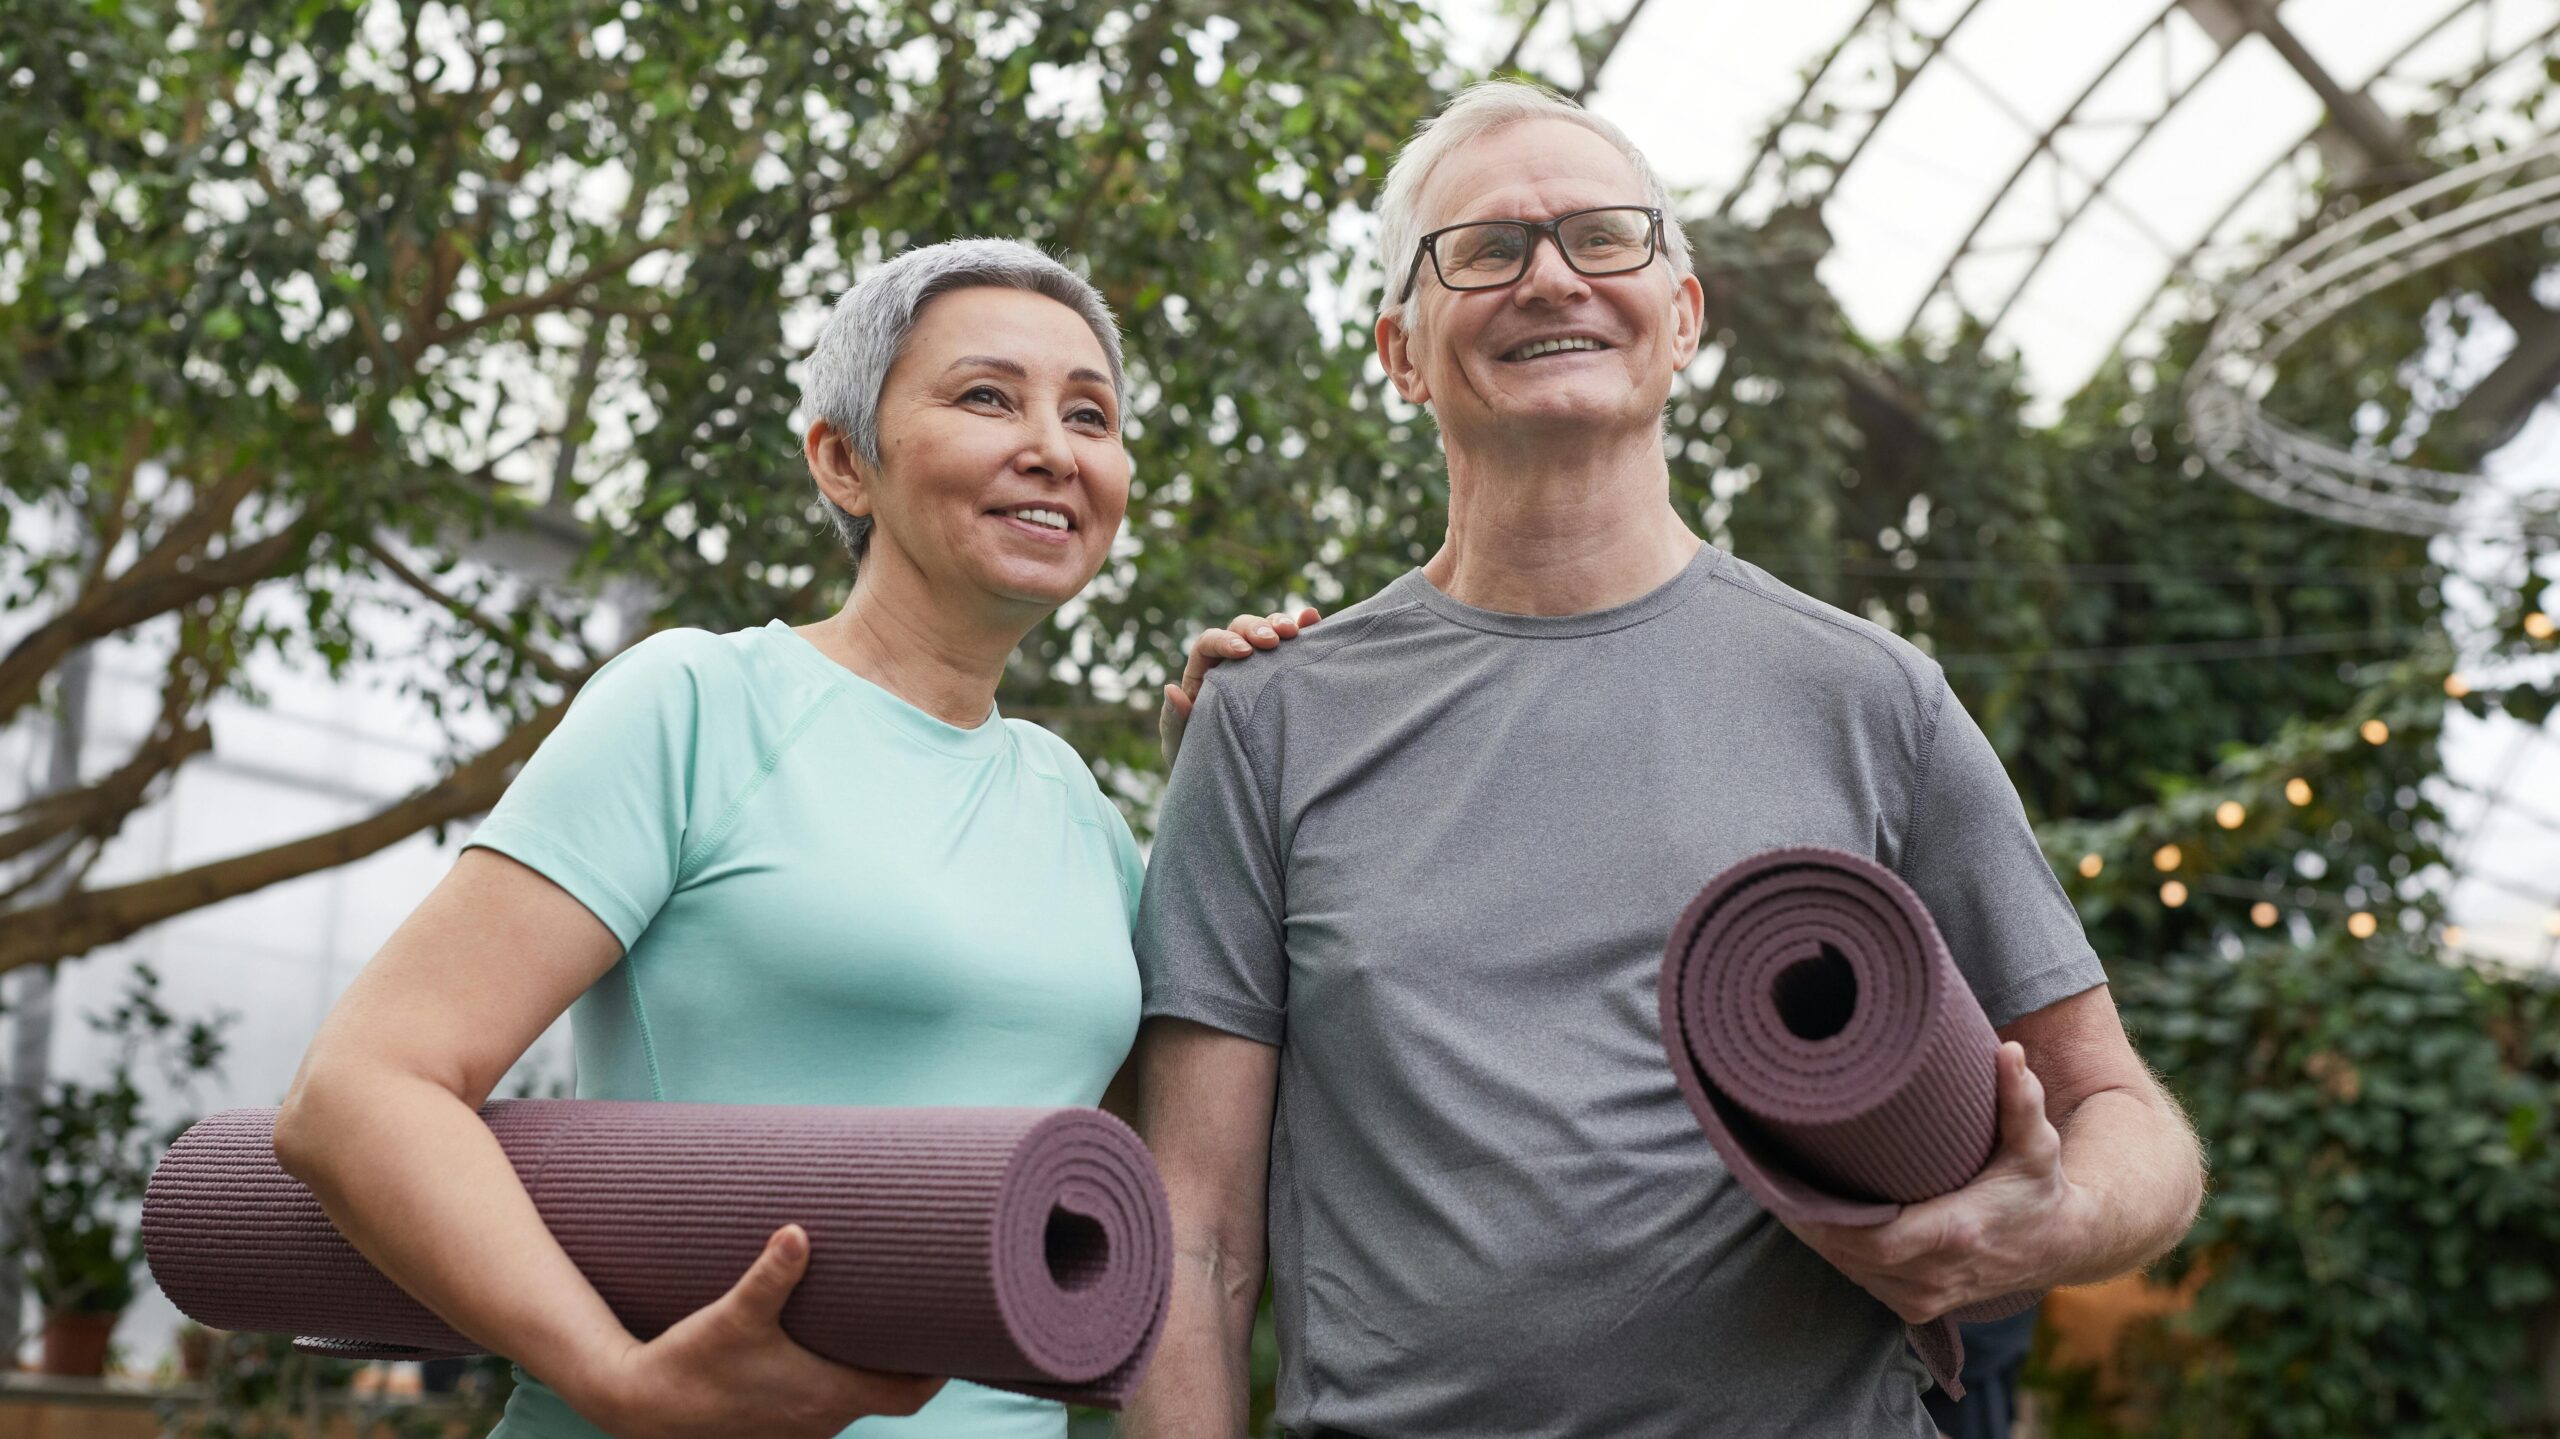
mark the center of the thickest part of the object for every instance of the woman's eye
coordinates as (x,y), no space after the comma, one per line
(1093,417)
(984,395)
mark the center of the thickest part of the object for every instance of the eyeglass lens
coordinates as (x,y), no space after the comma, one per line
(1496,252)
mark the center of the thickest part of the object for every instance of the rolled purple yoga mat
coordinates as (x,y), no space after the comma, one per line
(1832,1051)
(1026,1249)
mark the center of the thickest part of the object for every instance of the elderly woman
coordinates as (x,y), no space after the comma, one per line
(791,865)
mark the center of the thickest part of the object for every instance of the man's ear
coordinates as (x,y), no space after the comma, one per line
(1689,318)
(1395,355)
(840,473)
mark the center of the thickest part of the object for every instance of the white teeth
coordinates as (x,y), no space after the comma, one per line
(1051,518)
(1548,347)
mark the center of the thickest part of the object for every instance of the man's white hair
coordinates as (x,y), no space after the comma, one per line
(1476,111)
(870,324)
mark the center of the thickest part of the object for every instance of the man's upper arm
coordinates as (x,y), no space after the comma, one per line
(1211,936)
(1972,857)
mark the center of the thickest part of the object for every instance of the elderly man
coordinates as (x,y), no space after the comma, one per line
(1416,871)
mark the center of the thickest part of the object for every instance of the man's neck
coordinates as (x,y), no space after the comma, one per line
(1543,535)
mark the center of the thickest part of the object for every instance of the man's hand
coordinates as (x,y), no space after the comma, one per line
(2006,1231)
(1242,636)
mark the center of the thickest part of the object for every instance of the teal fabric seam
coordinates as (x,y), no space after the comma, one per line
(764,770)
(640,1019)
(686,866)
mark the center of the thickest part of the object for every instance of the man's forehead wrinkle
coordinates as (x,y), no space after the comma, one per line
(1524,189)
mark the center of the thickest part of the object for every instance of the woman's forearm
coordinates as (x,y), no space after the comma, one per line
(414,1179)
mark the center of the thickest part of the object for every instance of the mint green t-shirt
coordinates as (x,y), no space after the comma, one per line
(827,896)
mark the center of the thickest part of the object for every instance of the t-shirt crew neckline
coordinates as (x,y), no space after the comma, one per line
(929,730)
(1661,599)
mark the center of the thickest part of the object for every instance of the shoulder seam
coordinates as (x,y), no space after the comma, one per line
(1368,623)
(765,766)
(1244,729)
(1919,702)
(1920,779)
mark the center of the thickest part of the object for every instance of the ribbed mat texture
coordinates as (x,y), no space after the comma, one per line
(1832,1051)
(1026,1249)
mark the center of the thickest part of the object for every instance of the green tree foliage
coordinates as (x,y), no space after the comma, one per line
(299,300)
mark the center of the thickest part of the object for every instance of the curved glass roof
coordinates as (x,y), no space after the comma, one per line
(2050,168)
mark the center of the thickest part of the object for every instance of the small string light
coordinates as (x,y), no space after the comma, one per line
(2090,864)
(2539,625)
(2298,790)
(2262,914)
(2453,936)
(2230,813)
(2551,926)
(2361,924)
(2374,731)
(2167,857)
(2173,894)
(2456,686)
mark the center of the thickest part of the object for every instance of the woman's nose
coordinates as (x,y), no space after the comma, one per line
(1050,450)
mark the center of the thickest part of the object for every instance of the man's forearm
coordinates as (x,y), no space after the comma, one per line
(2137,1176)
(1197,1386)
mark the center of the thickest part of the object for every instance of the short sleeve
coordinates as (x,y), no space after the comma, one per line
(1973,859)
(1210,941)
(1131,865)
(602,807)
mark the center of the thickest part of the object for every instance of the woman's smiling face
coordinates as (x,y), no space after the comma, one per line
(1001,470)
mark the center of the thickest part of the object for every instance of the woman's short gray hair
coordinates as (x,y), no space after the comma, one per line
(870,324)
(1479,110)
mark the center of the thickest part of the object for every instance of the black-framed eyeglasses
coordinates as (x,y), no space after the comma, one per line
(1489,254)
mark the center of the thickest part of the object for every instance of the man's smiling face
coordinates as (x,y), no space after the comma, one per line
(1555,349)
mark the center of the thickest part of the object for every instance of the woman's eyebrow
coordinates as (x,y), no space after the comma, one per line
(999,364)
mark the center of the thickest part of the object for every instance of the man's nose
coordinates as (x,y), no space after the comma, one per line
(1548,277)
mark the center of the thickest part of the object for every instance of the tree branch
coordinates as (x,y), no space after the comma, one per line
(1511,58)
(79,923)
(463,610)
(150,589)
(1598,58)
(551,299)
(99,810)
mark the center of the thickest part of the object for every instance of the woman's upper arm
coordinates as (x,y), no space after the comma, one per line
(466,984)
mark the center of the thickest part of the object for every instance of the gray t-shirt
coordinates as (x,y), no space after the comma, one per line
(1433,853)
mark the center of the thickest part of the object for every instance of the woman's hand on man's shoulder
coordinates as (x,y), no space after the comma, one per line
(1237,640)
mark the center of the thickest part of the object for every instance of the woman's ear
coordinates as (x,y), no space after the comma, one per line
(841,475)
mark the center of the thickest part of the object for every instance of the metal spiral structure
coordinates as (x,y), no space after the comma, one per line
(2418,229)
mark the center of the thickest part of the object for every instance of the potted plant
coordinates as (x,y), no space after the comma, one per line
(95,1148)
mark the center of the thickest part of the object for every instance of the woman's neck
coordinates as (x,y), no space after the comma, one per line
(1559,534)
(944,658)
